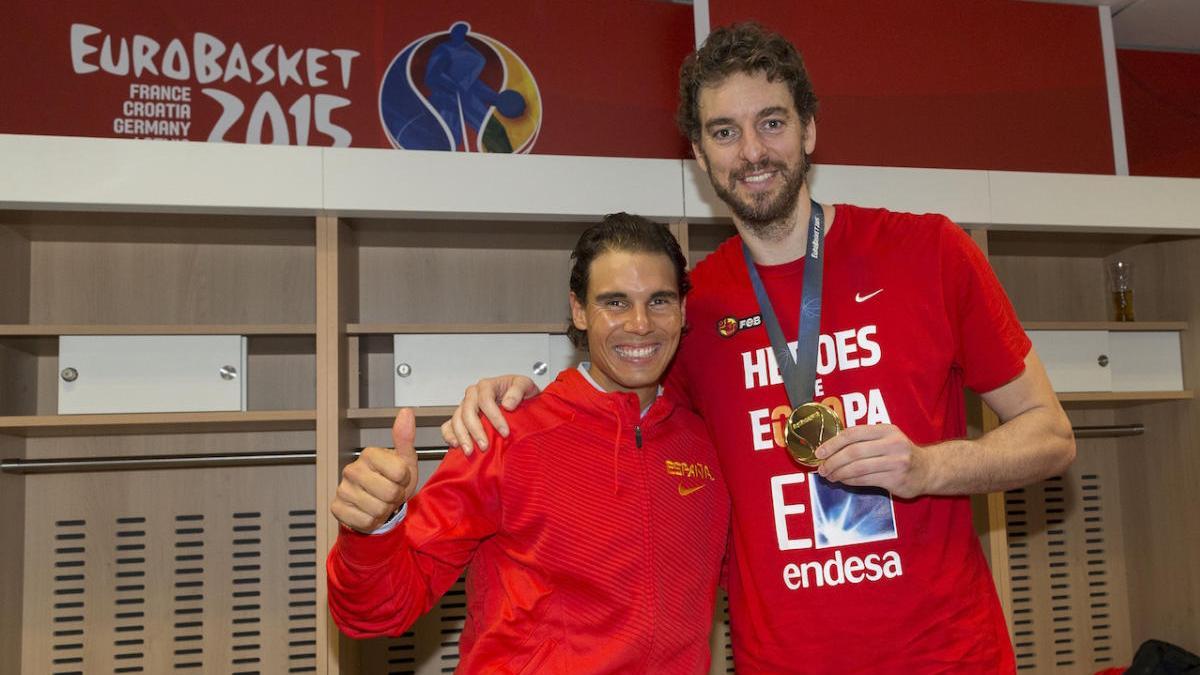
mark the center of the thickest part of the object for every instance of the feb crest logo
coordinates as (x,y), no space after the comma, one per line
(460,91)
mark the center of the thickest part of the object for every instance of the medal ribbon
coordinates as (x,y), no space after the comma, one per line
(799,372)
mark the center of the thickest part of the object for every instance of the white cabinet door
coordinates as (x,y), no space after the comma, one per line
(1073,358)
(1145,361)
(434,369)
(151,373)
(563,355)
(1098,360)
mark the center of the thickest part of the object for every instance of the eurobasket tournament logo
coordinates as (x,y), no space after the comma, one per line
(460,91)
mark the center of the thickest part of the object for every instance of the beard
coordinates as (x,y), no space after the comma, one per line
(764,214)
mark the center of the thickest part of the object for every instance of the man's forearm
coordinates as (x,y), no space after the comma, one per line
(1033,446)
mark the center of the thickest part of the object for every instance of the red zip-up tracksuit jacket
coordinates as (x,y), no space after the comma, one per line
(593,539)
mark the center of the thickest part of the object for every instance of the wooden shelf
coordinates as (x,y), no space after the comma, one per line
(158,423)
(1106,325)
(50,330)
(392,328)
(383,417)
(1124,396)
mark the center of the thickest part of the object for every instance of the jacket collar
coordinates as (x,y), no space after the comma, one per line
(578,387)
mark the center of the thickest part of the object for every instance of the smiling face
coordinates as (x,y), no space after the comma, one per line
(633,315)
(754,148)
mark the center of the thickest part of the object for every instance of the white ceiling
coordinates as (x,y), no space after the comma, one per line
(1166,25)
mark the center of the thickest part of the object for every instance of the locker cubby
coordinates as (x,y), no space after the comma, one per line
(114,273)
(438,276)
(1096,556)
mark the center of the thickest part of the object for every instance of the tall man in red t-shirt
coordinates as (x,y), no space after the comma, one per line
(868,563)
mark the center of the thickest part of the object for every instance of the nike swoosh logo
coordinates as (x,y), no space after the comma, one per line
(683,492)
(859,297)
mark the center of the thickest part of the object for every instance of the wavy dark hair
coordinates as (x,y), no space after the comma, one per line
(621,232)
(741,48)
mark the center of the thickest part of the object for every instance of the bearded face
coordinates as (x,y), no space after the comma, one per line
(755,148)
(761,211)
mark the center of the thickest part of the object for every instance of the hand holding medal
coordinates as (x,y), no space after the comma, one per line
(882,456)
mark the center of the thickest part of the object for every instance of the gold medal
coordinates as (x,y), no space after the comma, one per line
(810,425)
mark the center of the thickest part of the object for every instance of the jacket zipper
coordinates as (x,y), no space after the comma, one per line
(637,435)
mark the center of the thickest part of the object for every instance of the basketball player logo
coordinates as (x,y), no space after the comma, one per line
(460,91)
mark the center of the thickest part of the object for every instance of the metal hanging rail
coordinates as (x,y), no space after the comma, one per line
(1109,431)
(146,462)
(294,457)
(191,461)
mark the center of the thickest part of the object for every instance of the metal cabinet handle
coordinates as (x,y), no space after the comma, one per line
(540,368)
(69,374)
(228,372)
(1103,360)
(403,370)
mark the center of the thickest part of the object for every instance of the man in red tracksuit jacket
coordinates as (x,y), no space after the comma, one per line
(593,535)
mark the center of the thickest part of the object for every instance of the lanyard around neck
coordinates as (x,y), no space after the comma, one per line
(799,373)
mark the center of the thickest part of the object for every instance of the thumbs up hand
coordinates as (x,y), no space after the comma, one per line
(380,481)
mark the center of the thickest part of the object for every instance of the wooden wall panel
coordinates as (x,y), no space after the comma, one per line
(703,238)
(336,270)
(1066,563)
(1163,533)
(281,373)
(45,383)
(146,269)
(14,276)
(12,563)
(15,365)
(134,445)
(19,384)
(1054,288)
(191,571)
(463,272)
(376,377)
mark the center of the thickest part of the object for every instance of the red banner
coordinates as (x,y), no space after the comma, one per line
(537,76)
(968,84)
(1160,93)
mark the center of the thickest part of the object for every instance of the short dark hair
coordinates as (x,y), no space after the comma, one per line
(741,48)
(621,232)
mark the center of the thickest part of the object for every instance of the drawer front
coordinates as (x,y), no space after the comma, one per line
(434,369)
(1145,361)
(1072,358)
(151,373)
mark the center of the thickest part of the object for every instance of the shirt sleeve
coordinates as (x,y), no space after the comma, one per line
(990,344)
(380,583)
(391,522)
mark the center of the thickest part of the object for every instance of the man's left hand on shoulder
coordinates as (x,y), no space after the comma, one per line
(877,455)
